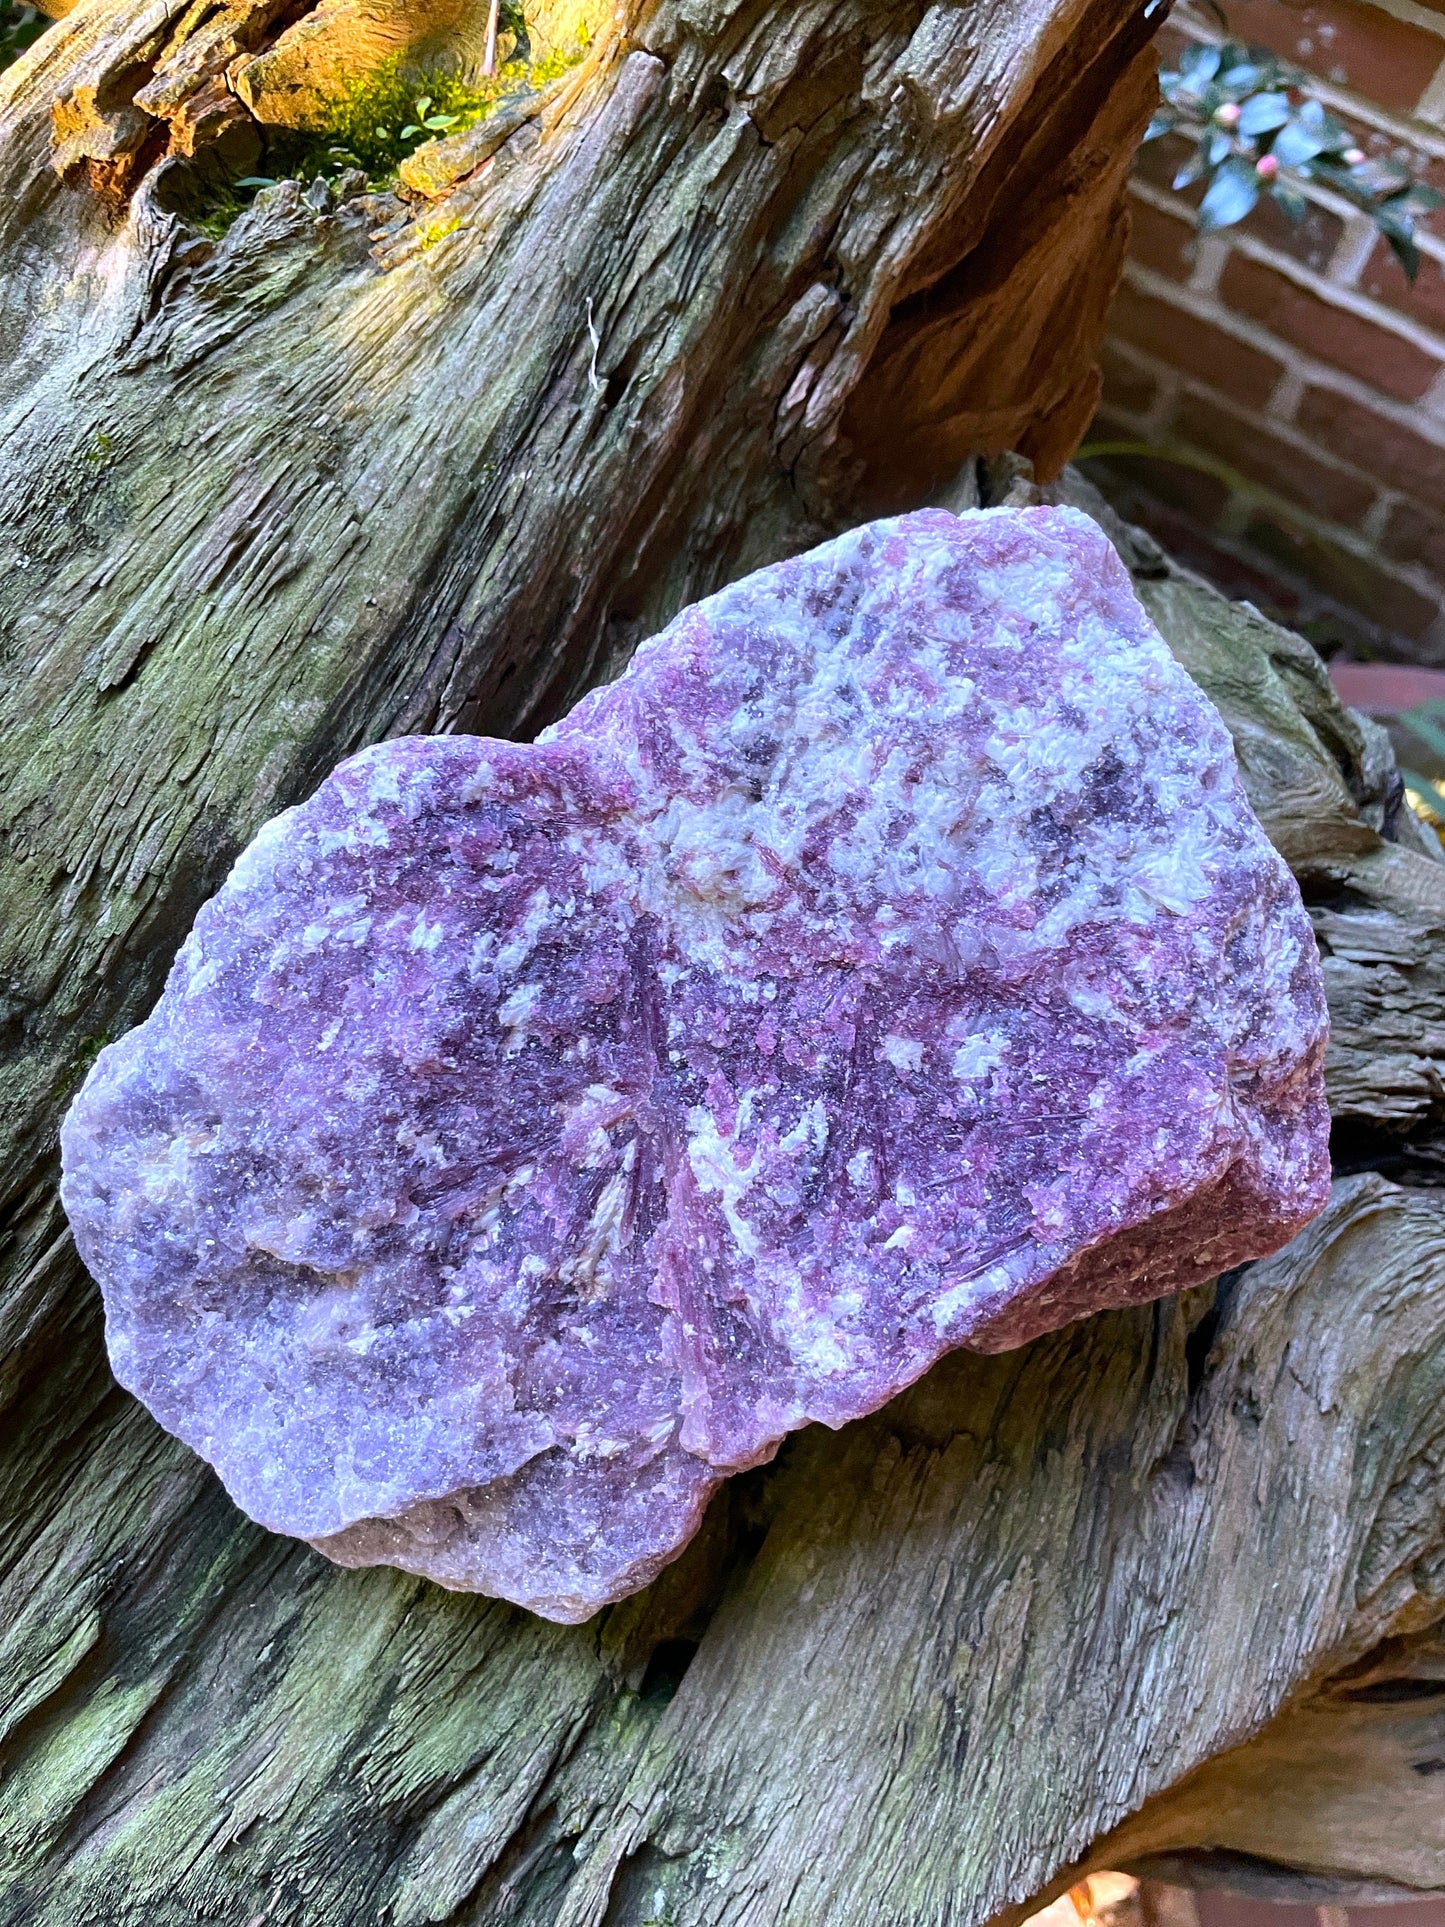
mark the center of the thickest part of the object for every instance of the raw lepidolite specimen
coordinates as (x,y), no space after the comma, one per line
(529,1136)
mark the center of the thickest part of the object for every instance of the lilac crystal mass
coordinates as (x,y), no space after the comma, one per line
(529,1136)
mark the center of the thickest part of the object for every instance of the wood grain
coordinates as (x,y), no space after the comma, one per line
(347,473)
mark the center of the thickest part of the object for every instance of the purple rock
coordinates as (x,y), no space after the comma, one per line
(530,1136)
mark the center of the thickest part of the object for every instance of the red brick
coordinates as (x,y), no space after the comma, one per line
(1349,341)
(1397,455)
(1384,278)
(1218,1909)
(1385,599)
(1313,242)
(1186,340)
(1201,497)
(1197,549)
(1385,688)
(1163,242)
(1127,386)
(1433,174)
(1387,60)
(1262,455)
(1380,146)
(1159,161)
(1413,535)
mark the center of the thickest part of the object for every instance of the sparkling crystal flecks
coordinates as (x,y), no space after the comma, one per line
(530,1136)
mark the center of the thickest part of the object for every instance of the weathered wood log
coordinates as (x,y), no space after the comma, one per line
(268,497)
(262,500)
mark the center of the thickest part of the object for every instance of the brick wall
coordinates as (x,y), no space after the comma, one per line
(1216,1909)
(1296,375)
(1117,1900)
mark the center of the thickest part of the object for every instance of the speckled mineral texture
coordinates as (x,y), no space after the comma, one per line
(530,1136)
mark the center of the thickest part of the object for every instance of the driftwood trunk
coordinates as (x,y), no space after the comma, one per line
(376,463)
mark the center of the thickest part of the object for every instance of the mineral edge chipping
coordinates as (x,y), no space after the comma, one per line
(531,1136)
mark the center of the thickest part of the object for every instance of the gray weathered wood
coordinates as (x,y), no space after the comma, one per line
(1334,1800)
(264,499)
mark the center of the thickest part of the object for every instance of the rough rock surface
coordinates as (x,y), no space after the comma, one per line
(529,1136)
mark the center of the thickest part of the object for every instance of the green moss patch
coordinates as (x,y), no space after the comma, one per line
(19,26)
(379,121)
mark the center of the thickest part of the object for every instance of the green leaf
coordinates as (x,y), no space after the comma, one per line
(1331,135)
(423,106)
(1423,724)
(1232,193)
(407,132)
(1163,122)
(1262,113)
(1297,142)
(1416,199)
(255,180)
(1401,243)
(1195,168)
(1291,200)
(1198,66)
(1379,179)
(1429,793)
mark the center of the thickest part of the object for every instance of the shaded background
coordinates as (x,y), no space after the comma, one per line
(1298,361)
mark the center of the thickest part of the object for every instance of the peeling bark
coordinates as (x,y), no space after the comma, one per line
(358,468)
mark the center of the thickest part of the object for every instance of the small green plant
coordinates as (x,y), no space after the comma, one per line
(19,26)
(427,122)
(381,119)
(1426,723)
(1258,130)
(225,205)
(1426,800)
